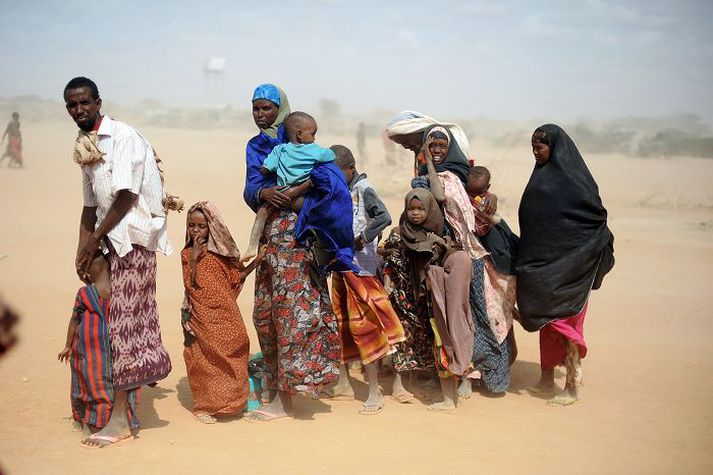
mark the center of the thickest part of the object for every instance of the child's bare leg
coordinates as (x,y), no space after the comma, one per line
(466,388)
(398,391)
(375,402)
(450,396)
(573,364)
(256,232)
(118,426)
(343,388)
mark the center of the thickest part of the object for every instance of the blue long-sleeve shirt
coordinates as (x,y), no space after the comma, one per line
(257,149)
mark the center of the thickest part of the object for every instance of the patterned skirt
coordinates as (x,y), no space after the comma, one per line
(490,358)
(137,351)
(368,325)
(293,315)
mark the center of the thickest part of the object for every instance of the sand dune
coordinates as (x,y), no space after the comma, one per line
(646,401)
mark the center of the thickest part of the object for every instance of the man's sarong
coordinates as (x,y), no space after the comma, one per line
(138,356)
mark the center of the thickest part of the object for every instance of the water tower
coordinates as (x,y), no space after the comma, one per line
(213,70)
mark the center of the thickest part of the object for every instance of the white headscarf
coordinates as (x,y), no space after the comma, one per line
(411,122)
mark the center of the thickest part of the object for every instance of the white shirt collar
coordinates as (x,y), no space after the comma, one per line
(105,127)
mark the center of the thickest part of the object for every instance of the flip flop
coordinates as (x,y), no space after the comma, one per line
(365,412)
(205,418)
(403,398)
(272,417)
(112,441)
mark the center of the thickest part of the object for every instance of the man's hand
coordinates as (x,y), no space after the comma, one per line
(84,257)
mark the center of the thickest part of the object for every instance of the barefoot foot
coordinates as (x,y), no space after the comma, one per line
(465,389)
(565,398)
(442,406)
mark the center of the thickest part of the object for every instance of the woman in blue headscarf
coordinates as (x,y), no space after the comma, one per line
(293,315)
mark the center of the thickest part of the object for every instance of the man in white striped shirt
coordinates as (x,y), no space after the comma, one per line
(123,215)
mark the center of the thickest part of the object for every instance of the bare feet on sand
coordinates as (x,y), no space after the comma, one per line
(279,408)
(565,398)
(465,389)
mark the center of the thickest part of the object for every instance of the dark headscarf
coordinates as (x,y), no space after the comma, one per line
(416,237)
(566,247)
(417,240)
(455,161)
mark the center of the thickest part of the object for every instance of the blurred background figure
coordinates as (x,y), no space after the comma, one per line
(14,142)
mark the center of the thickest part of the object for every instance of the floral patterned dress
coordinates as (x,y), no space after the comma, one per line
(293,316)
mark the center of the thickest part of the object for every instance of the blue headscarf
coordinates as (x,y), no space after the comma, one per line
(267,91)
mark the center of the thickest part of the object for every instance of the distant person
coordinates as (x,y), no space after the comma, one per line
(292,162)
(361,139)
(123,215)
(216,345)
(14,142)
(88,351)
(565,251)
(368,325)
(389,149)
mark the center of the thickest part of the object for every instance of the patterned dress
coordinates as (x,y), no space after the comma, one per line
(217,361)
(416,352)
(293,316)
(92,391)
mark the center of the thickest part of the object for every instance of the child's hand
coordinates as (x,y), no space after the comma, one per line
(188,328)
(199,247)
(388,285)
(261,253)
(65,354)
(358,243)
(489,204)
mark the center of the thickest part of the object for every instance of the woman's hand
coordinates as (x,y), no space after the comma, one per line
(490,204)
(426,151)
(65,354)
(275,197)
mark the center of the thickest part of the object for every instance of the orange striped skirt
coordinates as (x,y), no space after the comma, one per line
(368,325)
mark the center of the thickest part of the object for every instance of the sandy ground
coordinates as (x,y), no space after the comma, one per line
(646,404)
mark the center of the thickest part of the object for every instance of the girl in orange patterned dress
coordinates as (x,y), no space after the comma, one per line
(216,343)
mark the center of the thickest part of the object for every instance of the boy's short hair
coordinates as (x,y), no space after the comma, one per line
(344,157)
(479,172)
(297,119)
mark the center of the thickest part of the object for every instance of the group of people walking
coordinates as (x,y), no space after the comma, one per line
(436,295)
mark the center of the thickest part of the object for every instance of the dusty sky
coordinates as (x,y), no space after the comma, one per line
(509,59)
